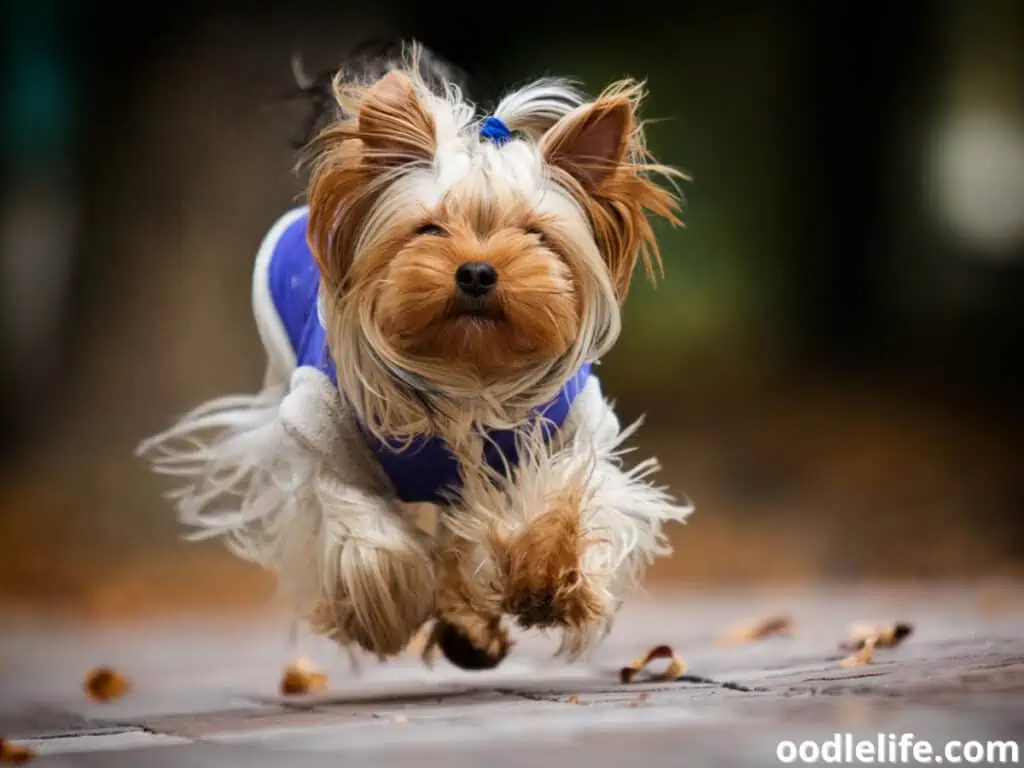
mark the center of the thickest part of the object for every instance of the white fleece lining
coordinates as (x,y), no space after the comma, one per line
(281,359)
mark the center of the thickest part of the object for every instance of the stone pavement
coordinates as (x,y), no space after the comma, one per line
(205,692)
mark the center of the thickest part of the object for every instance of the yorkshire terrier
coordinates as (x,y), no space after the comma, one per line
(431,319)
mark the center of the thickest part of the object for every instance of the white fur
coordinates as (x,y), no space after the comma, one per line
(538,106)
(302,482)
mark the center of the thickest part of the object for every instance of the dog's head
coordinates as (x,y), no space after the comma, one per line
(471,266)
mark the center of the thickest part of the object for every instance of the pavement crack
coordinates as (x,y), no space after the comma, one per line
(842,678)
(554,698)
(560,697)
(728,685)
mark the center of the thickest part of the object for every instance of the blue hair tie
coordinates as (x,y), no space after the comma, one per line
(495,130)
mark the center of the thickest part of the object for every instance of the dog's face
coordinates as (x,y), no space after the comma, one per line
(453,264)
(481,285)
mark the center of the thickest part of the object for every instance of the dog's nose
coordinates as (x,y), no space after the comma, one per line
(476,279)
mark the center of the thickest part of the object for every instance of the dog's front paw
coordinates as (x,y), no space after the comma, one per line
(546,584)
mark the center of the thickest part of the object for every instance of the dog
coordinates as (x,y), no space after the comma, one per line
(432,317)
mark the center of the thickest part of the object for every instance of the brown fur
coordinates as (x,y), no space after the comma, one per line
(352,160)
(603,161)
(393,125)
(462,603)
(545,584)
(458,595)
(532,316)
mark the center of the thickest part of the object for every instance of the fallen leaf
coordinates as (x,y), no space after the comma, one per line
(676,666)
(14,754)
(865,655)
(106,684)
(758,630)
(574,699)
(302,677)
(880,636)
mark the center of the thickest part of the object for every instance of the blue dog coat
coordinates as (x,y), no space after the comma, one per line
(424,469)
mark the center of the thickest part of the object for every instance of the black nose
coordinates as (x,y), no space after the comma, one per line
(475,278)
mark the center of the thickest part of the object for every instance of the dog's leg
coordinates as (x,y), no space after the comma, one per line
(375,572)
(583,531)
(571,533)
(469,629)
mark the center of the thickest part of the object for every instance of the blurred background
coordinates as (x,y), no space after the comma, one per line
(832,365)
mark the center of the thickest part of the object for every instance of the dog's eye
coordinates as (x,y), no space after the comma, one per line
(538,234)
(430,228)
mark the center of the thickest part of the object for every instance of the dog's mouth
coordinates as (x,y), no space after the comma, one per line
(477,310)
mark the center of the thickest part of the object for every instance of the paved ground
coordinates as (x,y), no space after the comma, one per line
(205,693)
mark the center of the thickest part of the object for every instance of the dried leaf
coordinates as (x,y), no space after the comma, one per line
(106,684)
(880,636)
(574,699)
(758,630)
(675,669)
(865,655)
(14,754)
(302,677)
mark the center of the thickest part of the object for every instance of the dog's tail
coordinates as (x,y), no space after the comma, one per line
(369,60)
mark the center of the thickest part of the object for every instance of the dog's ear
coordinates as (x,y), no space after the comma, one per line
(599,150)
(390,128)
(395,127)
(591,142)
